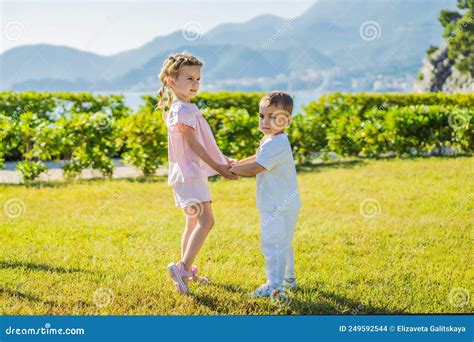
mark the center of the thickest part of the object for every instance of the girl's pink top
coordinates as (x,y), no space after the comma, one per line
(184,164)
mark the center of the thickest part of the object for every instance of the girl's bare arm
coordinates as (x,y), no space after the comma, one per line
(191,138)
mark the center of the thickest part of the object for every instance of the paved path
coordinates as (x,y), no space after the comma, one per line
(10,176)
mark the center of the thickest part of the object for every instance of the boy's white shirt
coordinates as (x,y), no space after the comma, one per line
(277,186)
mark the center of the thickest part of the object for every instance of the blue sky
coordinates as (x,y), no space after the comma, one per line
(110,26)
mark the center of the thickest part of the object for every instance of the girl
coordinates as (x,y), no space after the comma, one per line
(193,156)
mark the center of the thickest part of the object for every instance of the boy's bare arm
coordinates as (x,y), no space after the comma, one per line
(248,160)
(248,169)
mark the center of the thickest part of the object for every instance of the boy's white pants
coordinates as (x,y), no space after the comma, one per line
(277,236)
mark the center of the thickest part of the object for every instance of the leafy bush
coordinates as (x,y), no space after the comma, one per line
(89,141)
(145,140)
(307,136)
(8,138)
(218,100)
(31,169)
(52,106)
(370,125)
(363,125)
(237,133)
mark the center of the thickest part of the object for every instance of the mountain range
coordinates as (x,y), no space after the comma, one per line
(344,45)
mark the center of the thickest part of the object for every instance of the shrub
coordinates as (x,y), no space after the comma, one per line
(145,140)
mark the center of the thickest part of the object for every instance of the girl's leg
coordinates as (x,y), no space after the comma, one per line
(205,222)
(191,223)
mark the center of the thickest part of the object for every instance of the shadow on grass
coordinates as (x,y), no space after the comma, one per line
(51,307)
(328,303)
(304,301)
(206,300)
(24,296)
(228,306)
(39,267)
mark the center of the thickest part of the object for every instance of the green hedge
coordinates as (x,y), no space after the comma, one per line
(218,100)
(371,125)
(52,106)
(144,140)
(89,130)
(366,101)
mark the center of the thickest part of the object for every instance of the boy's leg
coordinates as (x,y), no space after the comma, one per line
(290,265)
(274,246)
(291,219)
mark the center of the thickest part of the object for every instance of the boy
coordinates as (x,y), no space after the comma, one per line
(278,197)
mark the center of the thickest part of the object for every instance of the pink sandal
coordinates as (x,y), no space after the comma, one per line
(177,272)
(195,277)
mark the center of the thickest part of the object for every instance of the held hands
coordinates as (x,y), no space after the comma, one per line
(231,161)
(235,165)
(224,171)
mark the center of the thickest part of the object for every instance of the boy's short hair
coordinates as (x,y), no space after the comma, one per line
(278,99)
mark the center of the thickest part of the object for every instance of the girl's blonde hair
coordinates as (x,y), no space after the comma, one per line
(171,68)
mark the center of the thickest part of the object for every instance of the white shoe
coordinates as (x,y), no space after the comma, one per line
(290,284)
(267,291)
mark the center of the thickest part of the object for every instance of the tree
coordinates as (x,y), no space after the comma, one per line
(459,32)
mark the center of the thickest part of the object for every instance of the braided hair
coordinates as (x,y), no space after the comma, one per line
(171,67)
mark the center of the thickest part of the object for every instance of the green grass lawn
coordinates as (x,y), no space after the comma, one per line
(374,237)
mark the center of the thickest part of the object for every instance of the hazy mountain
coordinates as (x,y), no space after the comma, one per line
(357,39)
(32,62)
(375,34)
